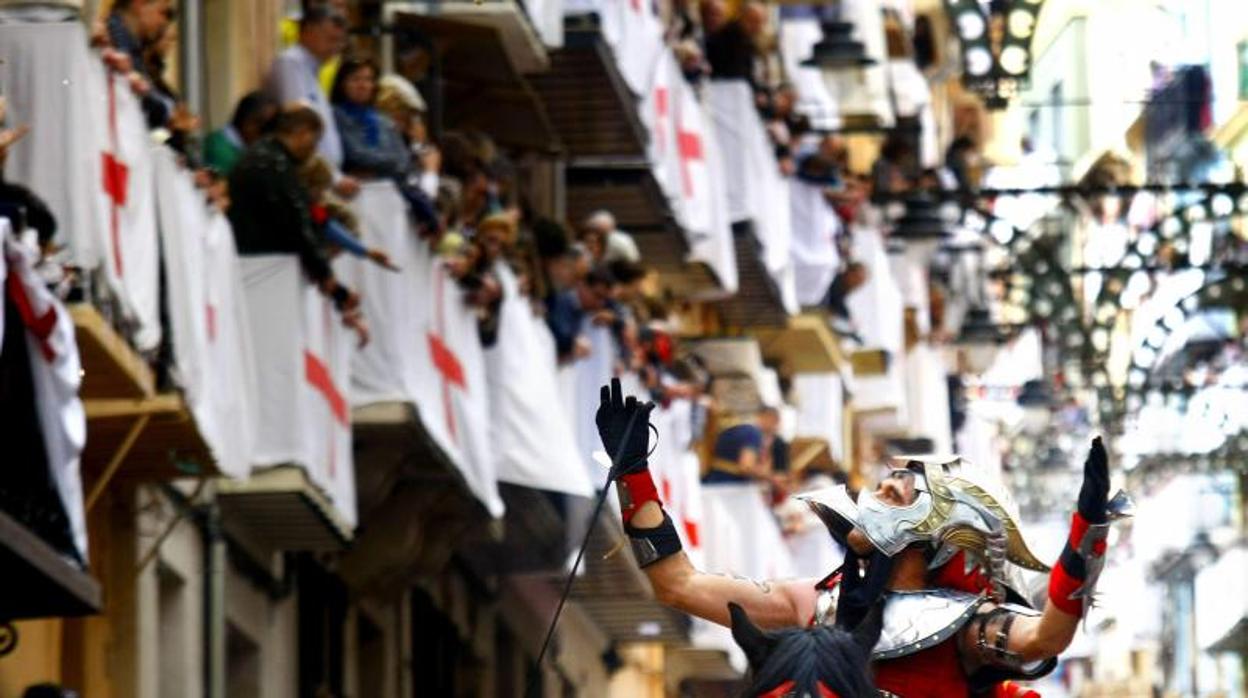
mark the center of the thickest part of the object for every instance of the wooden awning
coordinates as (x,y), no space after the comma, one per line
(282,507)
(422,507)
(590,105)
(757,302)
(133,432)
(806,344)
(481,75)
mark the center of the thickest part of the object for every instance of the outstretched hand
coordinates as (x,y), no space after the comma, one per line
(624,426)
(1094,494)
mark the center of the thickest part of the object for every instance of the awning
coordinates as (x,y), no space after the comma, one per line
(408,486)
(590,105)
(757,302)
(481,63)
(128,423)
(806,344)
(283,508)
(38,582)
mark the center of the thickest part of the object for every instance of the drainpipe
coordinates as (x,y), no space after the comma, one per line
(214,599)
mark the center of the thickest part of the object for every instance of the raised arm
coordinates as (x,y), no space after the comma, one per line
(678,584)
(1071,582)
(624,428)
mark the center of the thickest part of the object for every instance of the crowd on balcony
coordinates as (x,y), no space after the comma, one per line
(294,158)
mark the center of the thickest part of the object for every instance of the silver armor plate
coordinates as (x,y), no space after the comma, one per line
(917,620)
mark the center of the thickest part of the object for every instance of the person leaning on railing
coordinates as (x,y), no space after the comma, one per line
(270,210)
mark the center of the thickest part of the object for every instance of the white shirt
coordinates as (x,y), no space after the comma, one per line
(294,77)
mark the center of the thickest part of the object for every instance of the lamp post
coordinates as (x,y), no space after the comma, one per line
(996,45)
(980,338)
(843,61)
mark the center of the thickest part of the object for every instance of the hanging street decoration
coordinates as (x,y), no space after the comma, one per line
(995,36)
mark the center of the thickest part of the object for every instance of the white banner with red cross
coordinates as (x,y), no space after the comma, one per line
(127,190)
(302,354)
(450,377)
(54,83)
(214,363)
(56,373)
(756,189)
(687,165)
(532,435)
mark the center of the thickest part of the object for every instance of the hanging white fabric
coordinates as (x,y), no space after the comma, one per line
(755,188)
(381,371)
(302,353)
(52,81)
(816,228)
(214,363)
(533,439)
(56,373)
(449,377)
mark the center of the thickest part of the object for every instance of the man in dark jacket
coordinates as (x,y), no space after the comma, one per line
(270,211)
(732,49)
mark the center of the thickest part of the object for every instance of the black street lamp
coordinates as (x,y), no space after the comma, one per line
(996,45)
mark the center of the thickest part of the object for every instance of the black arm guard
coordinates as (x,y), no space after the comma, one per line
(653,544)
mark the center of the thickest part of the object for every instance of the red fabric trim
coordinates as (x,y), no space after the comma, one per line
(825,692)
(641,489)
(930,673)
(41,326)
(1061,586)
(320,214)
(779,691)
(1078,528)
(1009,689)
(317,374)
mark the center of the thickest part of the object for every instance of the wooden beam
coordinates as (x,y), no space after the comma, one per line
(104,408)
(119,457)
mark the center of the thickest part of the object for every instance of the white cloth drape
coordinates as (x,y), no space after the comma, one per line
(214,363)
(755,188)
(56,373)
(53,82)
(815,230)
(532,435)
(688,165)
(302,355)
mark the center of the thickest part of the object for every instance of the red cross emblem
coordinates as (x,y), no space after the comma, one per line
(210,316)
(116,176)
(688,148)
(444,361)
(41,326)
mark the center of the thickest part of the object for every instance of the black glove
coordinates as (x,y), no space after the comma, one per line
(860,591)
(624,426)
(1094,494)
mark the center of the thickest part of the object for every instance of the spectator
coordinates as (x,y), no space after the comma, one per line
(750,451)
(963,160)
(337,224)
(20,205)
(615,244)
(732,49)
(893,170)
(785,125)
(270,209)
(567,309)
(294,77)
(371,146)
(400,100)
(132,24)
(290,37)
(181,124)
(253,116)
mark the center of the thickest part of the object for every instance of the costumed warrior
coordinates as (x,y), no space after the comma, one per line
(935,547)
